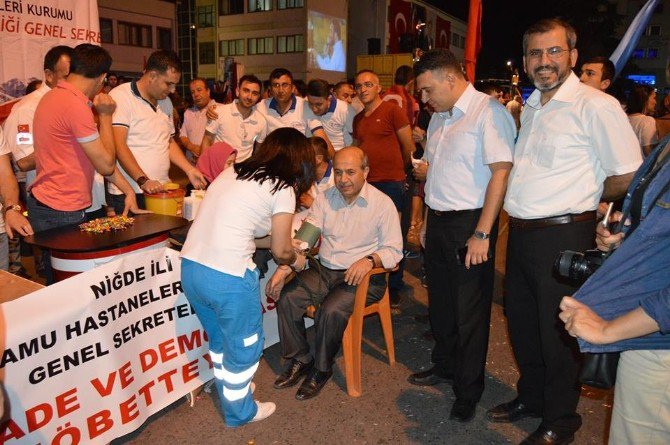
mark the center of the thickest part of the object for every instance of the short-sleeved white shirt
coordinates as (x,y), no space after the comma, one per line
(337,122)
(240,133)
(149,132)
(460,145)
(295,117)
(565,150)
(4,150)
(644,128)
(195,121)
(22,115)
(231,215)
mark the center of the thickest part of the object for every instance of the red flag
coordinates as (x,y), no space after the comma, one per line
(473,38)
(442,33)
(400,14)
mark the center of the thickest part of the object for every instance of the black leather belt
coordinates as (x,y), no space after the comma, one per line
(452,212)
(517,223)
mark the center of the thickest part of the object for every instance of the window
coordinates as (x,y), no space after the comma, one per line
(260,5)
(134,35)
(228,7)
(653,30)
(164,38)
(290,44)
(261,45)
(638,53)
(206,53)
(288,4)
(106,31)
(205,16)
(231,47)
(652,53)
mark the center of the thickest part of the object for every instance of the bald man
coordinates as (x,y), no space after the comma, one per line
(360,230)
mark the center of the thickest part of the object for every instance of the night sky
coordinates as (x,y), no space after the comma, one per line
(504,21)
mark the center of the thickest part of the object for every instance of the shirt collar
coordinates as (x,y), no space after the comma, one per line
(68,86)
(333,104)
(461,104)
(204,109)
(363,195)
(136,92)
(273,104)
(567,92)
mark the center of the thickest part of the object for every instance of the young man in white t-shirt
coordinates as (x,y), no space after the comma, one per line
(144,130)
(336,116)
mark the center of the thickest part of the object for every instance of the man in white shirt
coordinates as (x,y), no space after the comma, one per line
(19,124)
(238,124)
(360,230)
(144,130)
(335,115)
(195,118)
(575,147)
(468,157)
(285,109)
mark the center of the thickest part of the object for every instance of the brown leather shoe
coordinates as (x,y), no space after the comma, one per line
(430,377)
(313,383)
(292,373)
(510,412)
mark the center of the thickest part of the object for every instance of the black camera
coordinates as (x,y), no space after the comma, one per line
(579,266)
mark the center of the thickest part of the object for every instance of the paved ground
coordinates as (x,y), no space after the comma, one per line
(390,411)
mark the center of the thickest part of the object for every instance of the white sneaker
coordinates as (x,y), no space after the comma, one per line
(265,410)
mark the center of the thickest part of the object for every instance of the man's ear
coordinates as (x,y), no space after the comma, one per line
(605,84)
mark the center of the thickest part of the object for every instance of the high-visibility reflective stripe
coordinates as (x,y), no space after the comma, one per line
(218,373)
(235,394)
(217,357)
(236,378)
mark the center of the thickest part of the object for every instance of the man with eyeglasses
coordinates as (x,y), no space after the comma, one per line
(575,148)
(285,109)
(383,132)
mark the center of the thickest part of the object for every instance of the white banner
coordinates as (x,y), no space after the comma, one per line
(29,28)
(91,358)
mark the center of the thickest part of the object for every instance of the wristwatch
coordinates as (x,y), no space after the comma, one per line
(15,207)
(141,180)
(481,235)
(371,259)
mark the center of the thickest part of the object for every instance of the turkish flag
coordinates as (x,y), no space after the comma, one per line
(442,33)
(400,15)
(473,38)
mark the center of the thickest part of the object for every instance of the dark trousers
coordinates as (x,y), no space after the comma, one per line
(396,191)
(118,202)
(336,304)
(547,356)
(43,218)
(459,301)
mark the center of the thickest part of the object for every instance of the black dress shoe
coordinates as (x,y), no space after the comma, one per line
(313,383)
(510,412)
(431,377)
(462,411)
(546,436)
(292,373)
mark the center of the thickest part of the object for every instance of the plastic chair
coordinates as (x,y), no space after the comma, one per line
(353,335)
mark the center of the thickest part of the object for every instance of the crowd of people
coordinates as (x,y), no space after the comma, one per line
(342,158)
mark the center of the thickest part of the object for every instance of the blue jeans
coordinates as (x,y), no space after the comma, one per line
(396,191)
(44,218)
(229,309)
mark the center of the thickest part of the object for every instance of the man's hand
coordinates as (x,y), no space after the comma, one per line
(604,238)
(197,178)
(211,114)
(418,134)
(104,104)
(357,271)
(276,282)
(152,186)
(478,252)
(130,205)
(306,200)
(421,171)
(300,262)
(16,223)
(580,321)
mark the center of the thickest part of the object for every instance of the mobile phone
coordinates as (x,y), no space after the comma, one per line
(462,252)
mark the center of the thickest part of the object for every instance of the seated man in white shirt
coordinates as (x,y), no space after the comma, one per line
(360,230)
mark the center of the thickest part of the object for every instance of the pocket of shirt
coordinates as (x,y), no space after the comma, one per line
(462,147)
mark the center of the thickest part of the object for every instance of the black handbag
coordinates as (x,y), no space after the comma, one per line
(599,369)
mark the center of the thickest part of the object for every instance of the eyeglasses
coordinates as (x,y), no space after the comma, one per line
(367,85)
(281,86)
(554,53)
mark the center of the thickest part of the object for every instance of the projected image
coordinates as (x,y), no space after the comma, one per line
(326,42)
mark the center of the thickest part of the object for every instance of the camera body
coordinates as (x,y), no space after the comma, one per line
(579,266)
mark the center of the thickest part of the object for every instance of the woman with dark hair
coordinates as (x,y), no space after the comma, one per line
(219,277)
(641,106)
